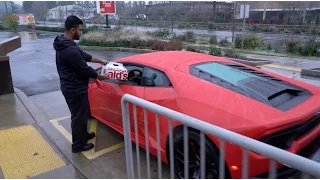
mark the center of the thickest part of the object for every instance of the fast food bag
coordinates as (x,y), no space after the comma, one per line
(115,71)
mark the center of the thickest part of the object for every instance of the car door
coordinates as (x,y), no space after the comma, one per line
(158,90)
(108,95)
(99,92)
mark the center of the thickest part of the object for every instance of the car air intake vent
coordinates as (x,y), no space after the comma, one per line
(252,71)
(278,100)
(307,127)
(283,139)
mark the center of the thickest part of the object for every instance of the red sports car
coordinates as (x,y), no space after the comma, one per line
(277,110)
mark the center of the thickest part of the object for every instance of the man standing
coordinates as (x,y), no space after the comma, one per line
(74,76)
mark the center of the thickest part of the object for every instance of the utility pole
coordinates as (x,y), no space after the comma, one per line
(5,4)
(234,17)
(264,11)
(244,21)
(171,17)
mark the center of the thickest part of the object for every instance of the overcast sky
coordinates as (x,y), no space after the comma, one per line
(18,2)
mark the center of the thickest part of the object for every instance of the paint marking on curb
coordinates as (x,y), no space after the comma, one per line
(91,154)
(282,67)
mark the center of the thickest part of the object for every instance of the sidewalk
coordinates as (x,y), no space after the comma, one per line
(26,150)
(35,142)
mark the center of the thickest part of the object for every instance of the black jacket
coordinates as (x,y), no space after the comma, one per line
(72,67)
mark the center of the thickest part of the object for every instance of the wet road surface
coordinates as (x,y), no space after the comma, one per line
(33,65)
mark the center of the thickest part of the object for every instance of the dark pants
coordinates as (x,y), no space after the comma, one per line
(80,110)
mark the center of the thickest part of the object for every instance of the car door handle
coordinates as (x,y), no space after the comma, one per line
(99,84)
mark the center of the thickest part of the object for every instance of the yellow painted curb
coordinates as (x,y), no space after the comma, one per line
(283,67)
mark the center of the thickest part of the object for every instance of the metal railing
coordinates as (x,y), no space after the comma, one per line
(307,166)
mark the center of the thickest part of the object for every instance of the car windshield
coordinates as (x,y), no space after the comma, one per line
(226,73)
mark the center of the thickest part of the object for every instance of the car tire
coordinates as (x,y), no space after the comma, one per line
(212,156)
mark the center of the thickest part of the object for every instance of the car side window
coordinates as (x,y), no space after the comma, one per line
(155,78)
(134,74)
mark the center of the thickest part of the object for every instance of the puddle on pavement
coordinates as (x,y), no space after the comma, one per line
(27,35)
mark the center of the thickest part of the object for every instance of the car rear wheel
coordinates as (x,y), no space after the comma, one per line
(212,157)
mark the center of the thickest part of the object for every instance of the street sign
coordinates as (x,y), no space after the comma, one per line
(244,10)
(106,7)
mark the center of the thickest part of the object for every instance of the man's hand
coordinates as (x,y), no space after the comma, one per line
(102,77)
(104,62)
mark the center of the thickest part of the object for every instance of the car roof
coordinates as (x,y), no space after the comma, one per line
(168,60)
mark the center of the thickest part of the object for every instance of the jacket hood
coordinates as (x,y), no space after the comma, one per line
(61,42)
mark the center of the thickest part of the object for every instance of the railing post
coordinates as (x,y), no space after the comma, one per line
(127,137)
(6,85)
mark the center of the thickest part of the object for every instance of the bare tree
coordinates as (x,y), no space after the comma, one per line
(61,13)
(85,8)
(40,10)
(294,10)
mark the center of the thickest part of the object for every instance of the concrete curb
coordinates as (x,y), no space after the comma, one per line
(99,48)
(35,113)
(310,72)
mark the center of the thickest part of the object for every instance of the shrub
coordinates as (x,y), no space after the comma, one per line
(11,21)
(279,49)
(311,48)
(1,27)
(162,33)
(270,29)
(269,48)
(175,44)
(189,35)
(293,46)
(137,43)
(215,51)
(181,25)
(253,27)
(308,50)
(210,25)
(159,45)
(95,36)
(231,53)
(213,39)
(249,42)
(192,49)
(317,20)
(224,42)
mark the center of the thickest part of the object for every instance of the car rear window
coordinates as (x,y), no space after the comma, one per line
(251,83)
(226,73)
